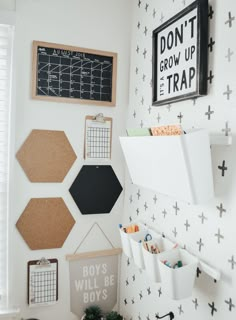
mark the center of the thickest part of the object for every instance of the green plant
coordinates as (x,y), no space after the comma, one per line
(113,315)
(93,313)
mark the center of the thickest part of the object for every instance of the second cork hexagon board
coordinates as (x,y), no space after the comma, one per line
(46,156)
(45,223)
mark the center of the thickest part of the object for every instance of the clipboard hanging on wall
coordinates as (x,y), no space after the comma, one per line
(42,282)
(98,137)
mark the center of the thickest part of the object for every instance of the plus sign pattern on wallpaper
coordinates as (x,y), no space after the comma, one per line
(207,231)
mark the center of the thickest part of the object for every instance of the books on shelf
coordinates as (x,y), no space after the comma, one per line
(168,130)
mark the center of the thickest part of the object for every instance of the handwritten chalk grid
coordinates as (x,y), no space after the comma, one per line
(42,283)
(180,56)
(64,73)
(98,139)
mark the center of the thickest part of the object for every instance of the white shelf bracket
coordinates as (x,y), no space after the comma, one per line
(213,273)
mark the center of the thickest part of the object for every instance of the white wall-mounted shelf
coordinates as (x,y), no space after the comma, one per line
(178,166)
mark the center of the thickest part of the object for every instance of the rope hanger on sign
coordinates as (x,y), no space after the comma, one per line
(95,223)
(93,254)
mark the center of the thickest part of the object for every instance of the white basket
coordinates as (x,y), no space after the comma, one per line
(151,260)
(136,246)
(178,283)
(125,240)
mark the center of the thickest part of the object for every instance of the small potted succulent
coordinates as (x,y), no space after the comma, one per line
(113,315)
(92,313)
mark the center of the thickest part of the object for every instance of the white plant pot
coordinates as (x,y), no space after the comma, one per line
(151,260)
(178,283)
(83,317)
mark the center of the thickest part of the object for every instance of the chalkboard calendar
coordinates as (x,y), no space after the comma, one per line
(71,74)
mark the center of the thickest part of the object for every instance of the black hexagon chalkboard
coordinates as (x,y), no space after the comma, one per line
(96,189)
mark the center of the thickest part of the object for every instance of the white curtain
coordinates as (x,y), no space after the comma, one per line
(6,39)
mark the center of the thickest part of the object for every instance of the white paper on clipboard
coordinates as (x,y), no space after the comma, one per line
(98,137)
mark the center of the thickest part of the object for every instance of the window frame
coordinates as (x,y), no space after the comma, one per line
(9,18)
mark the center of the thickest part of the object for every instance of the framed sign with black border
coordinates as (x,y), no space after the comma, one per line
(65,73)
(180,52)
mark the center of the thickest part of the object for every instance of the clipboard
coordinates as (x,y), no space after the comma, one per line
(98,137)
(42,282)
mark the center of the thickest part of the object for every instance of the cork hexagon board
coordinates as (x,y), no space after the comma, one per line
(96,189)
(46,156)
(45,223)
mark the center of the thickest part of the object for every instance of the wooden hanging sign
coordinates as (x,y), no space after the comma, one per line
(93,277)
(93,280)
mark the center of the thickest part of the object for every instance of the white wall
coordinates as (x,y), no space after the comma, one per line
(7,5)
(136,300)
(102,25)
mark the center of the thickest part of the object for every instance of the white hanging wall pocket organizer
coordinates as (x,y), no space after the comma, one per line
(137,242)
(178,283)
(151,258)
(178,166)
(125,238)
(136,245)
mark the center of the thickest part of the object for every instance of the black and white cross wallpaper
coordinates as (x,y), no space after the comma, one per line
(207,231)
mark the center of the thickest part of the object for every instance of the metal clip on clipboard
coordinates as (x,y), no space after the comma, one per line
(99,118)
(43,262)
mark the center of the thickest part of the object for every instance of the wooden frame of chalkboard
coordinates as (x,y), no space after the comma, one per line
(64,73)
